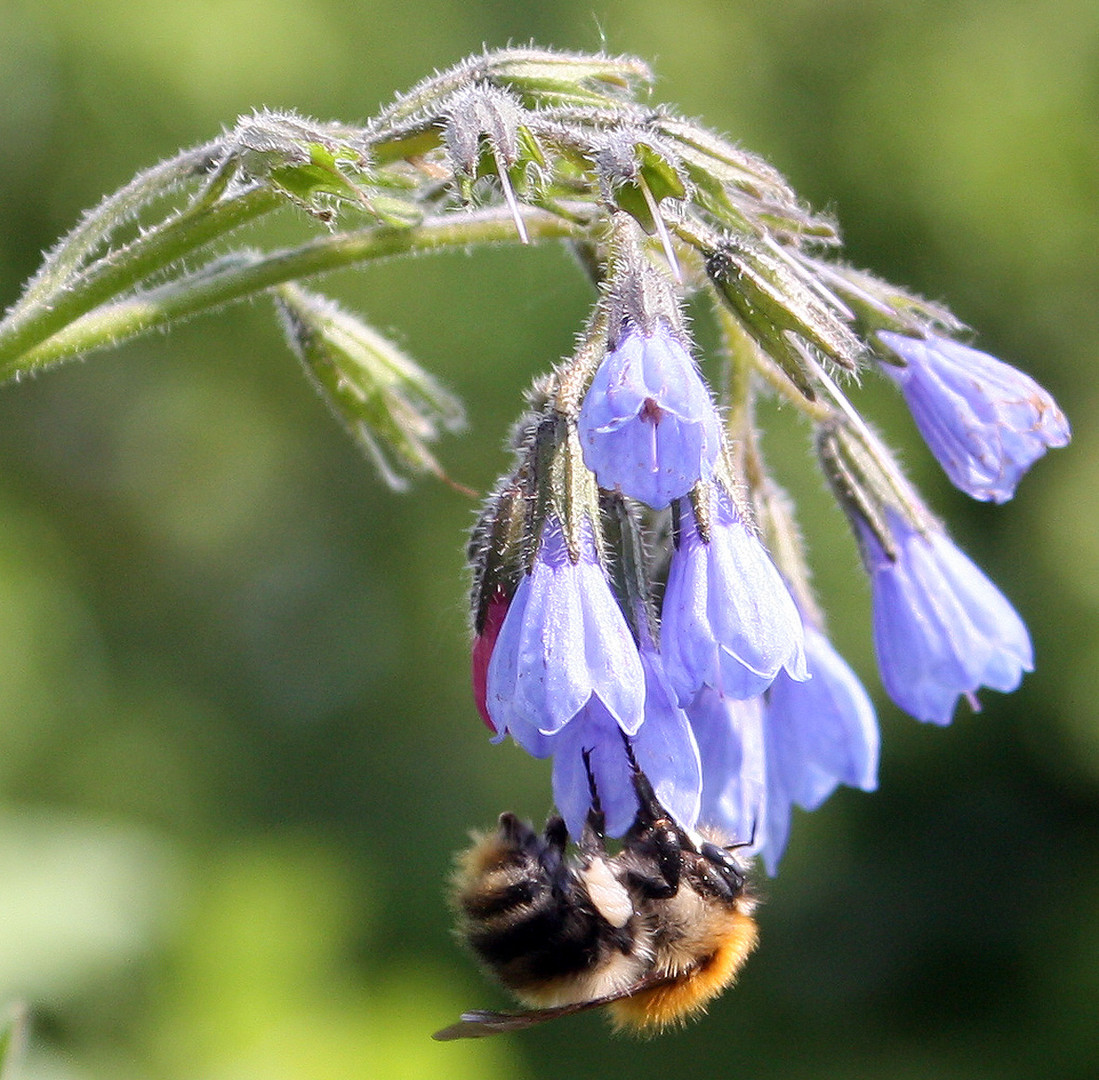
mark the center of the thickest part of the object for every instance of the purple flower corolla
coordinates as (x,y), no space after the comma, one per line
(818,734)
(728,620)
(664,748)
(564,644)
(648,427)
(985,421)
(730,741)
(941,628)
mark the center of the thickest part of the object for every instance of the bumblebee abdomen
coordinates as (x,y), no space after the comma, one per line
(551,930)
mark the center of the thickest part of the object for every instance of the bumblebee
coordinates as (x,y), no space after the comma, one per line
(653,932)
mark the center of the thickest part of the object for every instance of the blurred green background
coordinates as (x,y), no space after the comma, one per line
(237,746)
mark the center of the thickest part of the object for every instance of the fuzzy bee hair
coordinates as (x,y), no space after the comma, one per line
(653,932)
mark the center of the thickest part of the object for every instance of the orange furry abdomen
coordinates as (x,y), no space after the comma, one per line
(690,992)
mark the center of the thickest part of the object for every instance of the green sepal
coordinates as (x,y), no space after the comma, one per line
(662,180)
(309,182)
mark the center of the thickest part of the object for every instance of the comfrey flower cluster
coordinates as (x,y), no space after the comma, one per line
(639,577)
(640,586)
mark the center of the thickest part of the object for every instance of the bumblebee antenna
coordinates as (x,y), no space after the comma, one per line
(750,842)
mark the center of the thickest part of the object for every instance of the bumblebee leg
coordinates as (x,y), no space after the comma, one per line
(593,839)
(655,835)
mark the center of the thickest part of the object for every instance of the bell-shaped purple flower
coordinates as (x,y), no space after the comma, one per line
(564,644)
(664,748)
(730,741)
(985,421)
(648,427)
(941,628)
(728,620)
(818,734)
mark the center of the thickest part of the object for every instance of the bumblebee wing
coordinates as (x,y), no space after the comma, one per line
(479,1023)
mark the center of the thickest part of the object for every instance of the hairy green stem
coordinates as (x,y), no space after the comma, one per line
(244,274)
(96,226)
(124,269)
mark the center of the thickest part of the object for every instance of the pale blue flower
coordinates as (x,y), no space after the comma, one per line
(648,427)
(986,422)
(941,628)
(564,643)
(818,734)
(728,620)
(729,733)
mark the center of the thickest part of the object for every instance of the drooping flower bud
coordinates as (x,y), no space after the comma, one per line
(942,630)
(647,425)
(388,404)
(772,294)
(561,78)
(564,644)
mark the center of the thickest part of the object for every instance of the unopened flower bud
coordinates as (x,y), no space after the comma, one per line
(498,548)
(391,407)
(744,193)
(547,78)
(772,300)
(942,630)
(318,166)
